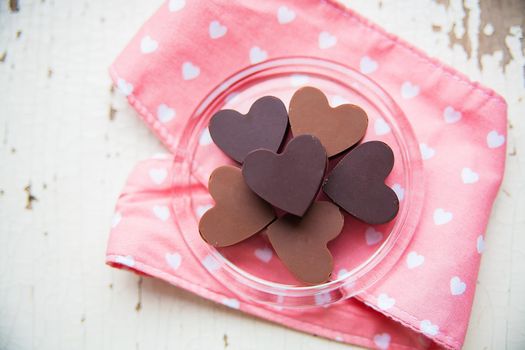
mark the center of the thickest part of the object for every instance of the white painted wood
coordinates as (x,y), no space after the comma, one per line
(56,134)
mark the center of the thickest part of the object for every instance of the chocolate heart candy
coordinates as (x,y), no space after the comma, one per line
(337,128)
(357,183)
(289,180)
(300,243)
(263,127)
(238,213)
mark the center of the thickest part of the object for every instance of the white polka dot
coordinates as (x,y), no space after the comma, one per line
(231,302)
(409,90)
(158,175)
(162,212)
(127,260)
(201,209)
(326,40)
(285,15)
(400,191)
(414,260)
(257,55)
(428,328)
(385,302)
(299,80)
(442,216)
(210,263)
(494,139)
(337,100)
(148,44)
(372,236)
(217,30)
(382,340)
(457,286)
(176,5)
(173,260)
(451,115)
(367,65)
(117,217)
(124,87)
(190,71)
(426,151)
(165,113)
(264,254)
(469,176)
(205,138)
(480,244)
(381,127)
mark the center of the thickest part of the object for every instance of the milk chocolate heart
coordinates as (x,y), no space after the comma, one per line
(357,183)
(289,180)
(238,213)
(301,243)
(264,126)
(337,128)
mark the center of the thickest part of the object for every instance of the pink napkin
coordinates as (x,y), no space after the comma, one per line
(187,48)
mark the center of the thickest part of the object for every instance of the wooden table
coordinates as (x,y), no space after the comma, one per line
(67,145)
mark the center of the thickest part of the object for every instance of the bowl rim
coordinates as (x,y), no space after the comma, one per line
(348,284)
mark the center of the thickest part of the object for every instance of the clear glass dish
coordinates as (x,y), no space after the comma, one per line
(362,254)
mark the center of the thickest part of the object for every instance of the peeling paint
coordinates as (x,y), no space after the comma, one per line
(488,30)
(502,16)
(498,20)
(138,306)
(112,113)
(30,197)
(14,6)
(446,3)
(36,148)
(459,34)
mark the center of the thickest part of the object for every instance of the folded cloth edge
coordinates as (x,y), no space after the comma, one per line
(276,317)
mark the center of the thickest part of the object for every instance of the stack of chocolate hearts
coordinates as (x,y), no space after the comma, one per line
(276,192)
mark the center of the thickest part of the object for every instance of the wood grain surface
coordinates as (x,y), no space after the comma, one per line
(68,142)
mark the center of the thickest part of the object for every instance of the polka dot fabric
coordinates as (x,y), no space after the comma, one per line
(188,47)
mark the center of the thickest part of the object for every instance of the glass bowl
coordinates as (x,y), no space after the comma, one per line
(363,254)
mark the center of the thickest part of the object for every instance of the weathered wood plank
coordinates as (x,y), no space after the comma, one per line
(67,143)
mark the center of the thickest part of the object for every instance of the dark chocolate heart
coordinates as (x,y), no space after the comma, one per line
(238,213)
(337,128)
(357,183)
(263,126)
(289,180)
(301,243)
